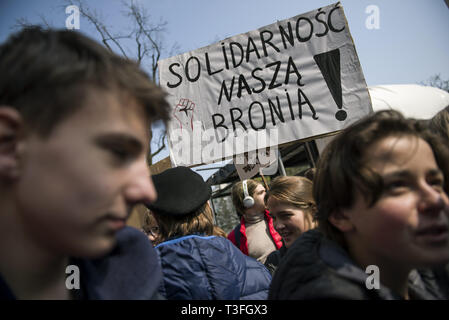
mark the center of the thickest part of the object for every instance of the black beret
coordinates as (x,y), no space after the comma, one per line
(180,191)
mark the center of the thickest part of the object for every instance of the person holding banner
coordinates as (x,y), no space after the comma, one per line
(255,235)
(197,264)
(383,214)
(292,207)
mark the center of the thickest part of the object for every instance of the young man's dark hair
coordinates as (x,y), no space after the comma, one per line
(439,124)
(46,74)
(74,134)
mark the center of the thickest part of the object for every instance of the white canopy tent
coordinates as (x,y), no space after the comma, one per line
(413,100)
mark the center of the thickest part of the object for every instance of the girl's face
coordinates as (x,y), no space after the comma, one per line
(408,225)
(288,220)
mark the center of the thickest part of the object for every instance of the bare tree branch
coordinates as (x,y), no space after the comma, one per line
(21,23)
(45,23)
(161,145)
(151,32)
(24,23)
(437,81)
(104,32)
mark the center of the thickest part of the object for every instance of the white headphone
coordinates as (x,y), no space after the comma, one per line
(248,201)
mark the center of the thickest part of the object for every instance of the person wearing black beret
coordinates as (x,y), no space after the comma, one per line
(196,264)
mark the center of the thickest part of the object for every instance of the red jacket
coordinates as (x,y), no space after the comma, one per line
(243,246)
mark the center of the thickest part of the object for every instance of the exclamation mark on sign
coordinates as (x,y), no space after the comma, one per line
(329,64)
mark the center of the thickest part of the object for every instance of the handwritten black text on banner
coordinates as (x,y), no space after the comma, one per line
(299,78)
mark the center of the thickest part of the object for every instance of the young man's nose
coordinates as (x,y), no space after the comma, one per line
(141,187)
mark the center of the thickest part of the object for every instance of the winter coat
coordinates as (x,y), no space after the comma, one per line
(317,268)
(239,239)
(130,272)
(205,268)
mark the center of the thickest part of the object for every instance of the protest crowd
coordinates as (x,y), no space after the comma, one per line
(370,221)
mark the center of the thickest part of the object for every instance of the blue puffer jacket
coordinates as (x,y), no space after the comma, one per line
(205,268)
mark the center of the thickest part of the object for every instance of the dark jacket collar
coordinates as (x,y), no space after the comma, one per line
(421,283)
(130,271)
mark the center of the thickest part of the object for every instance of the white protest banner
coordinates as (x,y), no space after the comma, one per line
(294,79)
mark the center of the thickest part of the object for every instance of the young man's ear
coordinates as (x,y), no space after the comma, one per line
(341,221)
(11,124)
